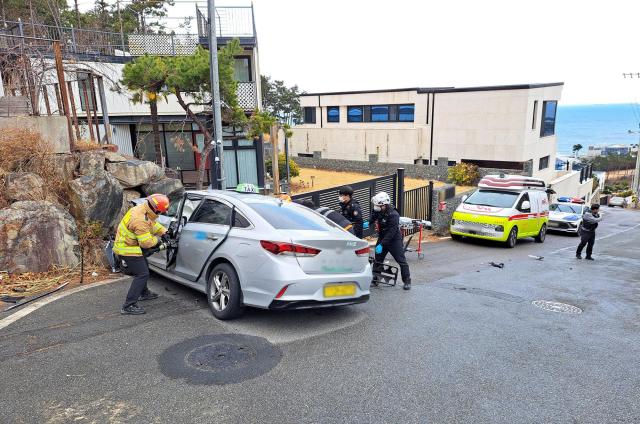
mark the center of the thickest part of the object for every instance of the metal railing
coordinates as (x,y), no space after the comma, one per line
(417,203)
(230,22)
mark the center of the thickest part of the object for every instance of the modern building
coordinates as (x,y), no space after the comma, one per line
(611,149)
(92,58)
(498,127)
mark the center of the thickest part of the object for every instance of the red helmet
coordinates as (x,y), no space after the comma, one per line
(159,203)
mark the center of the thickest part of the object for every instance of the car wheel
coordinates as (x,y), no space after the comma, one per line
(513,238)
(456,237)
(224,295)
(542,234)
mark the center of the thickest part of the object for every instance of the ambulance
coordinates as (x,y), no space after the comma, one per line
(505,208)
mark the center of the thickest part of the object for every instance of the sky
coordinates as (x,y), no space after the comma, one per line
(336,45)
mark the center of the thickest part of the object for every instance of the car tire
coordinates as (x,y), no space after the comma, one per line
(456,237)
(513,238)
(542,234)
(224,294)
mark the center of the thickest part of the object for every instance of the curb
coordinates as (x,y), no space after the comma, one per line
(46,300)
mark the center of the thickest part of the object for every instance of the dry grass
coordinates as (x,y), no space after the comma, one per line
(86,145)
(327,179)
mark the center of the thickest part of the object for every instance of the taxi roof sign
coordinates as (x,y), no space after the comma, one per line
(247,188)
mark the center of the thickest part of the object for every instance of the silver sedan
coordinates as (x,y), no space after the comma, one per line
(252,250)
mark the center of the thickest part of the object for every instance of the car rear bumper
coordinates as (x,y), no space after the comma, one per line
(309,304)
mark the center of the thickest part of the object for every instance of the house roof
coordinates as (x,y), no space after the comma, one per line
(422,90)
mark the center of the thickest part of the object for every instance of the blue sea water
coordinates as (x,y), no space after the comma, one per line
(596,125)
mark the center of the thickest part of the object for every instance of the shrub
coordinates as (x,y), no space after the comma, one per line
(294,169)
(465,174)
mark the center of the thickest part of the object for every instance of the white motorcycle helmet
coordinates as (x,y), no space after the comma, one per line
(379,200)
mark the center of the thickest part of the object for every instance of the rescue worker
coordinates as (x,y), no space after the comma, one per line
(139,234)
(350,209)
(331,215)
(587,231)
(387,220)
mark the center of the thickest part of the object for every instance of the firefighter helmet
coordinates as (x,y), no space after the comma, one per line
(159,203)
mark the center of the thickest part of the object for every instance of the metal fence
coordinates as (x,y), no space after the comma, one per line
(230,22)
(417,203)
(362,192)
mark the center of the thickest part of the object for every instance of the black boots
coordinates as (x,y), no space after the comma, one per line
(149,295)
(407,285)
(132,310)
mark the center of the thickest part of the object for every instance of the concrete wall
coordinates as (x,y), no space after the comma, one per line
(53,129)
(426,172)
(441,219)
(567,183)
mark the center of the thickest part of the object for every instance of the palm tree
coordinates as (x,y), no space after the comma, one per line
(576,149)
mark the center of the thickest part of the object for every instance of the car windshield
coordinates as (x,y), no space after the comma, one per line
(495,198)
(289,217)
(566,208)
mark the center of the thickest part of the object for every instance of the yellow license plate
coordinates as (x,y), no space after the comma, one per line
(339,290)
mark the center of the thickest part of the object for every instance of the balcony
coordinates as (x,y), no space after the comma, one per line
(231,22)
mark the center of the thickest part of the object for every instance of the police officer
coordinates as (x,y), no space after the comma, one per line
(389,236)
(587,231)
(330,214)
(350,209)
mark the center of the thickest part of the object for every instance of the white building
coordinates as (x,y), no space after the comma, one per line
(506,127)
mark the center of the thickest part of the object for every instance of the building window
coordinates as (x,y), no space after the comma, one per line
(309,115)
(242,68)
(406,113)
(354,114)
(333,114)
(548,118)
(84,83)
(535,115)
(544,163)
(379,113)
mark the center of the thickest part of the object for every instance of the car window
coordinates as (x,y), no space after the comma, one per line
(289,217)
(240,221)
(495,198)
(212,212)
(566,208)
(524,198)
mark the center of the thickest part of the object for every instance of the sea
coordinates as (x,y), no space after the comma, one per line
(600,124)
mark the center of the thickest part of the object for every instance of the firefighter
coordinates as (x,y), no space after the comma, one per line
(331,215)
(350,209)
(389,236)
(138,236)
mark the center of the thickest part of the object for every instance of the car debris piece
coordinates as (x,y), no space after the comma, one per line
(499,265)
(539,258)
(31,299)
(11,299)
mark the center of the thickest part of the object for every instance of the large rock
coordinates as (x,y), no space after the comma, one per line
(92,162)
(96,198)
(171,187)
(64,166)
(34,236)
(133,173)
(24,186)
(114,157)
(127,197)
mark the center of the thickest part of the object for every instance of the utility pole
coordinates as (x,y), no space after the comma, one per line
(75,7)
(635,187)
(215,92)
(121,28)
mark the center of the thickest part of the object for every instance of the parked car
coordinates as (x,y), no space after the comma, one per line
(618,201)
(504,208)
(566,217)
(252,250)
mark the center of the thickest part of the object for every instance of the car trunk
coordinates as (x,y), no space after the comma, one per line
(337,251)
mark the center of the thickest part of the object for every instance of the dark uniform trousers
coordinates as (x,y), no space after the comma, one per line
(138,267)
(396,249)
(587,238)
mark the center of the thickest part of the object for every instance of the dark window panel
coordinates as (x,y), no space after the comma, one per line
(379,113)
(406,113)
(548,126)
(309,115)
(333,114)
(354,114)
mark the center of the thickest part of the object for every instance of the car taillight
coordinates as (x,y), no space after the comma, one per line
(363,252)
(289,249)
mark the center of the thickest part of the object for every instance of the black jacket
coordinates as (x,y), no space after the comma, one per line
(590,221)
(389,222)
(352,211)
(335,217)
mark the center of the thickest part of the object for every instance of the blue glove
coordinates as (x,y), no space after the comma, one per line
(379,249)
(365,225)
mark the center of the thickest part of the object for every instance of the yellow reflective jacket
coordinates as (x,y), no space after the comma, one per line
(137,230)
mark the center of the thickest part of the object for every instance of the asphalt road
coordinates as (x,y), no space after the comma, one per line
(465,345)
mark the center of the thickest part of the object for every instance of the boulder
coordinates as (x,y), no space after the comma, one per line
(24,186)
(171,187)
(92,162)
(96,198)
(114,157)
(127,197)
(133,173)
(65,165)
(34,236)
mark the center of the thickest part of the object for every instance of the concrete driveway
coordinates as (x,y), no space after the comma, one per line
(465,345)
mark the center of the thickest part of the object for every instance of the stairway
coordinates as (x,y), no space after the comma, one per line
(14,106)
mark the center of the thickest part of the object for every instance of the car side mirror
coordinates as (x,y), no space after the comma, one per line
(464,197)
(526,205)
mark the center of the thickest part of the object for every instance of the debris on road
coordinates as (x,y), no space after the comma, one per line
(31,299)
(539,258)
(11,299)
(497,265)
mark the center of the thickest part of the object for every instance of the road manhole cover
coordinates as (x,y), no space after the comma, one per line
(547,305)
(219,359)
